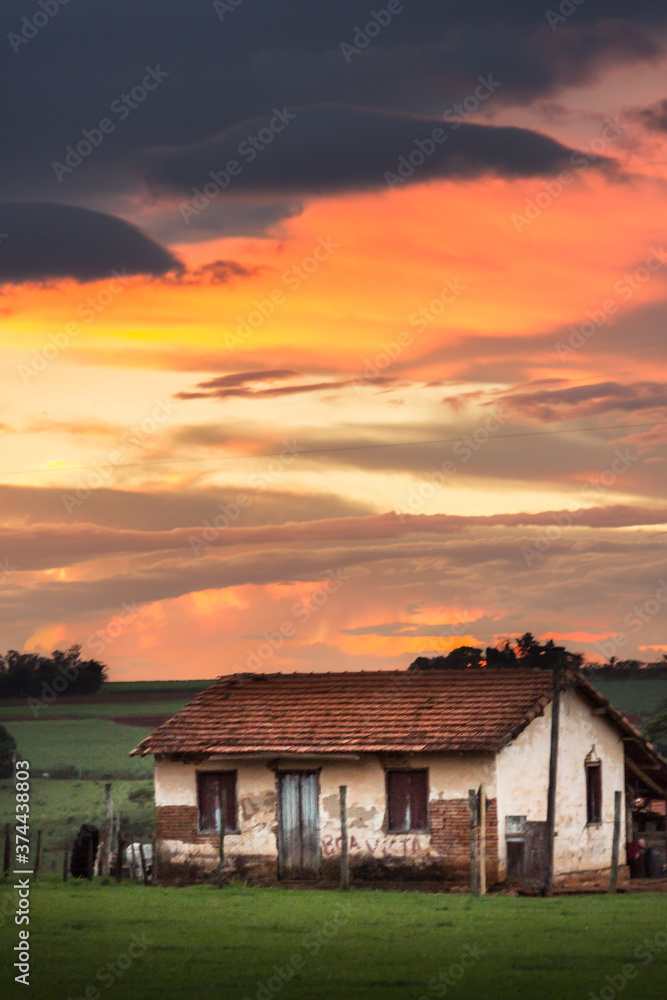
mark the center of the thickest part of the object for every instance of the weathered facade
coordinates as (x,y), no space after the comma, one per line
(408,747)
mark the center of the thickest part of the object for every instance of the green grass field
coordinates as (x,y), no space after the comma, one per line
(98,746)
(211,944)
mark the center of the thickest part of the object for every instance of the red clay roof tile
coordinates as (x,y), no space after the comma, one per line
(369,711)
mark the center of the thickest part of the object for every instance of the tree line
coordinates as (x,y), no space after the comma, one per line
(25,675)
(527,651)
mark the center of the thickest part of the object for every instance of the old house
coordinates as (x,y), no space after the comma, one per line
(408,746)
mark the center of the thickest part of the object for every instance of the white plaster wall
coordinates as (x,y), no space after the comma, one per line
(523,776)
(450,777)
(176,785)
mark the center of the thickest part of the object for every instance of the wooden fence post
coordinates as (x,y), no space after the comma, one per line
(615,843)
(134,865)
(474,859)
(344,847)
(108,832)
(119,856)
(223,827)
(482,840)
(144,870)
(90,865)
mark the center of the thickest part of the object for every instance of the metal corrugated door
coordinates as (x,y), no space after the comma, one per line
(299,847)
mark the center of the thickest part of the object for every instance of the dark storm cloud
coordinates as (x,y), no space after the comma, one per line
(328,148)
(45,241)
(66,77)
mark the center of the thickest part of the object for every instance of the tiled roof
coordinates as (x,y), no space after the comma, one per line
(370,711)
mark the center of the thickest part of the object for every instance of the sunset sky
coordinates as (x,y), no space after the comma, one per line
(323,347)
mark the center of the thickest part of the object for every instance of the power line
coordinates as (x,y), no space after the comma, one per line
(327,451)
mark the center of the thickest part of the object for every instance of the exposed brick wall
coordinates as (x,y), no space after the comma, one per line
(450,835)
(180,823)
(450,843)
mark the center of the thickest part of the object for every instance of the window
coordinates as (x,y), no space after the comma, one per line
(594,793)
(210,785)
(407,801)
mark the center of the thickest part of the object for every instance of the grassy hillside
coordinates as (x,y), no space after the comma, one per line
(98,746)
(640,697)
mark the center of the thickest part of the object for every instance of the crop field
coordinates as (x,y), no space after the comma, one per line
(237,943)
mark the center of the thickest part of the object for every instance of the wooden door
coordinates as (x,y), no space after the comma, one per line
(299,826)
